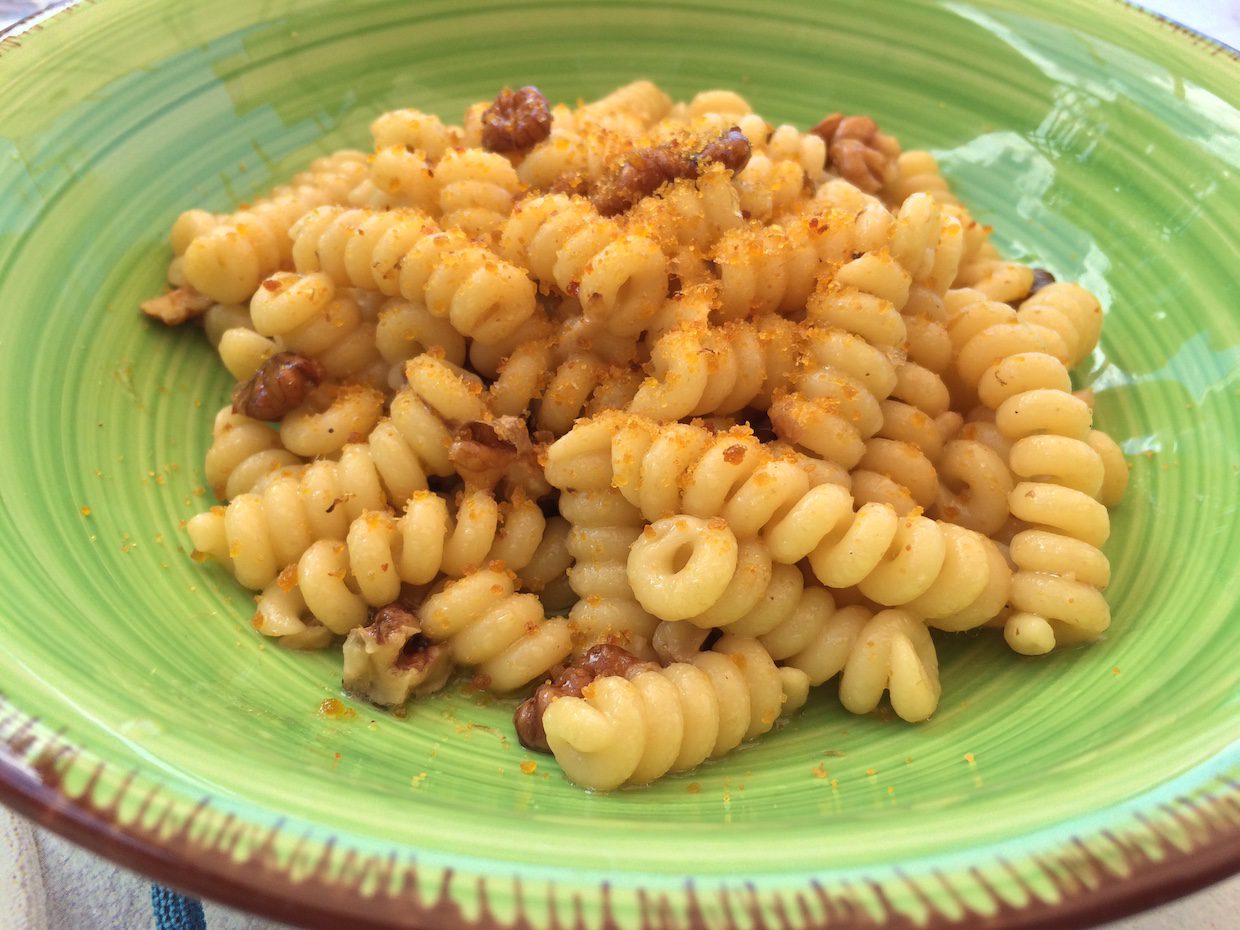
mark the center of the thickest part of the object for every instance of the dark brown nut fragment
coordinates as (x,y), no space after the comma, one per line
(606,660)
(527,718)
(481,455)
(390,659)
(396,622)
(825,130)
(489,453)
(517,120)
(575,183)
(644,171)
(857,151)
(278,387)
(1041,278)
(175,307)
(598,662)
(732,150)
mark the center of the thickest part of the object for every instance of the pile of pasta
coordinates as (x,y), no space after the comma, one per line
(665,411)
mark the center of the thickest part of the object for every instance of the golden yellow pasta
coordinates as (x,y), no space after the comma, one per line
(633,730)
(675,411)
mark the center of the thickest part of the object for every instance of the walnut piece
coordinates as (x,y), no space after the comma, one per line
(390,659)
(279,386)
(517,120)
(175,307)
(1041,278)
(598,662)
(487,453)
(732,150)
(857,151)
(644,171)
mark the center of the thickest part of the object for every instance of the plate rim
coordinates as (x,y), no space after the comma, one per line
(31,786)
(33,766)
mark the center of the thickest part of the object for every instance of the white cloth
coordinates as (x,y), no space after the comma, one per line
(47,883)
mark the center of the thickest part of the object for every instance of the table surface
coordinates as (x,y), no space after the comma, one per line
(81,891)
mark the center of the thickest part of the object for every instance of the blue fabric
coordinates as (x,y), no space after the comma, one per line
(175,911)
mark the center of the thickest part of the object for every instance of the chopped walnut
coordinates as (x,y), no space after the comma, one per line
(857,151)
(492,452)
(1041,278)
(598,662)
(732,150)
(177,306)
(575,183)
(481,455)
(517,120)
(644,171)
(279,386)
(390,659)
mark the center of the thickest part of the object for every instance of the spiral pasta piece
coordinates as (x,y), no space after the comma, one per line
(1015,361)
(835,403)
(918,172)
(400,173)
(504,636)
(405,329)
(865,224)
(681,565)
(436,536)
(534,380)
(787,143)
(689,213)
(684,469)
(404,253)
(762,598)
(226,258)
(633,730)
(476,190)
(333,415)
(769,268)
(769,187)
(953,577)
(974,483)
(899,464)
(892,652)
(242,453)
(644,100)
(929,242)
(580,147)
(480,618)
(382,554)
(701,370)
(603,526)
(398,176)
(746,593)
(766,269)
(309,315)
(620,278)
(413,129)
(262,531)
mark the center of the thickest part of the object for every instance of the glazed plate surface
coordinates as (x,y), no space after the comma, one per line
(142,716)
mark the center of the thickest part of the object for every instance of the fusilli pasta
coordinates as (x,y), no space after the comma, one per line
(679,411)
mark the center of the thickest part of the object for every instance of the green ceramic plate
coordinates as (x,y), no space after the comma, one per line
(144,718)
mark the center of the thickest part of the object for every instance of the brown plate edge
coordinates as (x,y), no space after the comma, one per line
(33,771)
